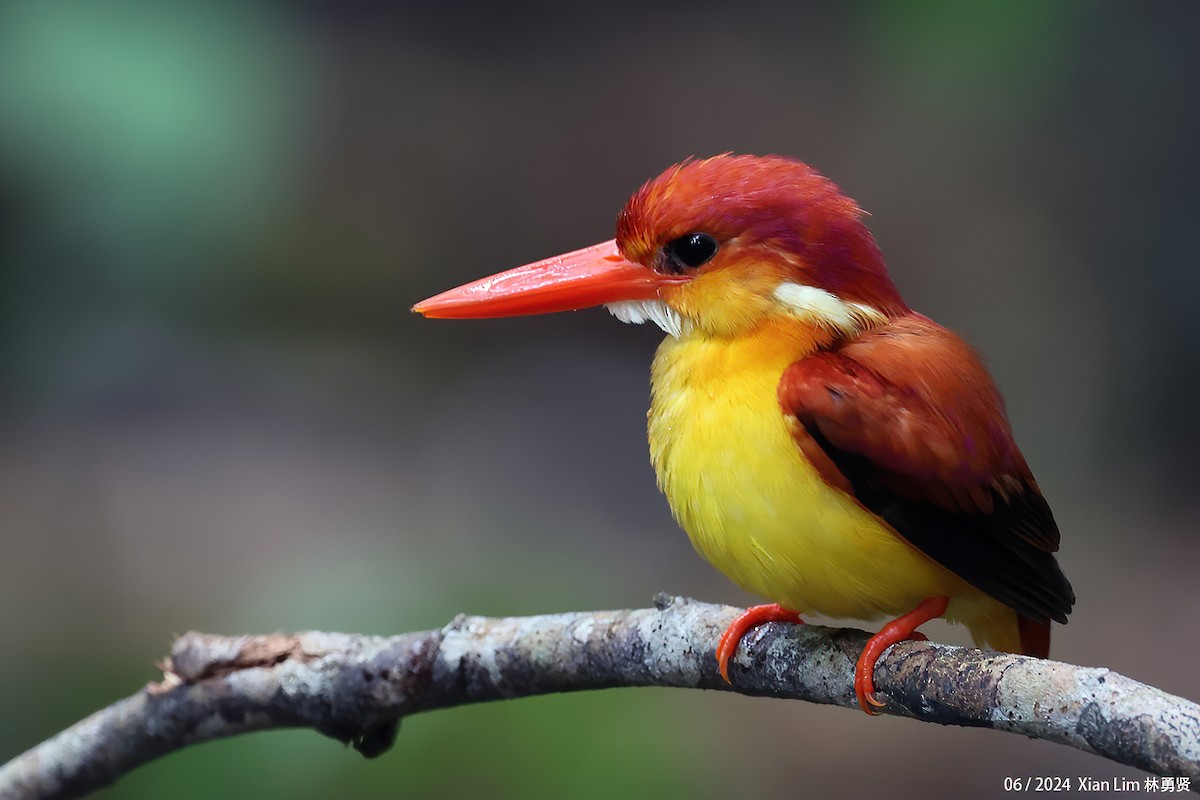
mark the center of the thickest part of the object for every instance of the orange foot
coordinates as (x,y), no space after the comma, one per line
(751,618)
(899,629)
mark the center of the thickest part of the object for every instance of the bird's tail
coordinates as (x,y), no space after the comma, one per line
(1035,637)
(996,626)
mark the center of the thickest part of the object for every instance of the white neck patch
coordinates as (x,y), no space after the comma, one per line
(828,310)
(656,311)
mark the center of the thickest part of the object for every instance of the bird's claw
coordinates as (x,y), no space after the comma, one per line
(750,618)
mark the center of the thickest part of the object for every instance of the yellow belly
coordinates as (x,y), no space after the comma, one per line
(752,504)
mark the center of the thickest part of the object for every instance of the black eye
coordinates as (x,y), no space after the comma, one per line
(690,251)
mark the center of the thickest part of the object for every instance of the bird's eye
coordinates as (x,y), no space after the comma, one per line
(690,251)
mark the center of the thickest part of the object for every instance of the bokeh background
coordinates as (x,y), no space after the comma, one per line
(217,413)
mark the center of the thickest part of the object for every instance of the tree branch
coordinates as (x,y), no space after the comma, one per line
(357,688)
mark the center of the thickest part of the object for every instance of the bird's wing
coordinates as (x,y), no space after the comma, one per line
(906,420)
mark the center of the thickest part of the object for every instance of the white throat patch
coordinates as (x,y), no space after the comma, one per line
(826,309)
(656,311)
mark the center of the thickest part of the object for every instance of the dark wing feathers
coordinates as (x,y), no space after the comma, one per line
(906,419)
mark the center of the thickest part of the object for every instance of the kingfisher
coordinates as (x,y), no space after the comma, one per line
(822,444)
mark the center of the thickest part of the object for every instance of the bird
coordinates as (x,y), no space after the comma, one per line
(825,446)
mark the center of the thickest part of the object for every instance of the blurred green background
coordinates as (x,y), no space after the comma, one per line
(217,413)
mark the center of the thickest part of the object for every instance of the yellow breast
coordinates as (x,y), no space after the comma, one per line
(748,498)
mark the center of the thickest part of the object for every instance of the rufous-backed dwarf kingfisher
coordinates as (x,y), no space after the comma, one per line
(823,445)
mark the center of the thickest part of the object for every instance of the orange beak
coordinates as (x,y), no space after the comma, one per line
(584,278)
